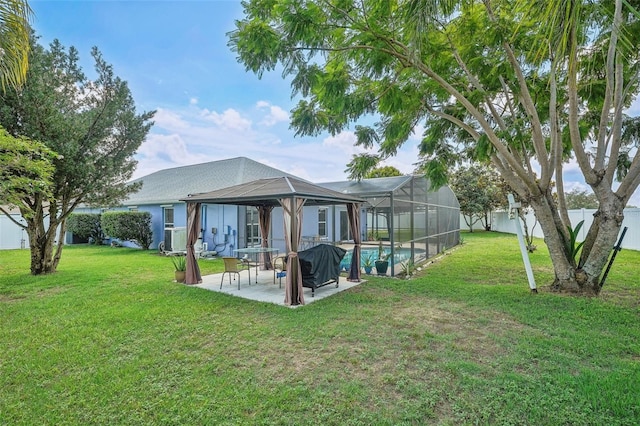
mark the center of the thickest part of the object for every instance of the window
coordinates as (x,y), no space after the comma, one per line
(253,227)
(167,214)
(322,222)
(168,217)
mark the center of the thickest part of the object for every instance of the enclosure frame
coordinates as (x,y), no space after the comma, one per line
(404,214)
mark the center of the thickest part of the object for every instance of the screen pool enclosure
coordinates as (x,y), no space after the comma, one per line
(403,215)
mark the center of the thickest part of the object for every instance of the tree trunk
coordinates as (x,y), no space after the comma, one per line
(528,237)
(41,240)
(555,239)
(486,223)
(469,222)
(584,276)
(600,240)
(58,253)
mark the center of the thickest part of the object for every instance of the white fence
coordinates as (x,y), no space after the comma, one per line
(500,222)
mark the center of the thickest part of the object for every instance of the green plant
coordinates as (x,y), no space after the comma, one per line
(129,226)
(179,262)
(368,261)
(87,226)
(382,256)
(408,267)
(574,247)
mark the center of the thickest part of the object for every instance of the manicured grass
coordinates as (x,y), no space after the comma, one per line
(110,339)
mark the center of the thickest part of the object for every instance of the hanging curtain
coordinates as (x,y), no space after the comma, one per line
(353,211)
(292,235)
(192,275)
(264,216)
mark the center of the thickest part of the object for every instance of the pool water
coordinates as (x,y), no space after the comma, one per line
(400,256)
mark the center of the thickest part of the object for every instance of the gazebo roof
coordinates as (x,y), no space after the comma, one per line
(268,192)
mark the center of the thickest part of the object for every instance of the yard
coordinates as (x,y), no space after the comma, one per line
(110,339)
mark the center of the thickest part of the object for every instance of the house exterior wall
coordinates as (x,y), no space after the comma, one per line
(225,220)
(157,223)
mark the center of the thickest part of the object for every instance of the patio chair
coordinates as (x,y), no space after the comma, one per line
(279,268)
(234,266)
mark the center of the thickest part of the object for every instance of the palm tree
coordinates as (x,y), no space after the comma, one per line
(14,42)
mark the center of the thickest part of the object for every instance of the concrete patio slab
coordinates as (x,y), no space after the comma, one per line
(267,289)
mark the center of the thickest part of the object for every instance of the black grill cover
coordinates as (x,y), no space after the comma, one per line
(320,264)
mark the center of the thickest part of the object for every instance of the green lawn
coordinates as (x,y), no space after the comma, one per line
(110,339)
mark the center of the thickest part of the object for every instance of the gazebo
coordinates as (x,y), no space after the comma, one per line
(265,194)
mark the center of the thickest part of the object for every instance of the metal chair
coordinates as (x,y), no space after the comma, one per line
(279,268)
(234,266)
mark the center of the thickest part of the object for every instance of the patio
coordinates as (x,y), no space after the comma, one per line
(265,290)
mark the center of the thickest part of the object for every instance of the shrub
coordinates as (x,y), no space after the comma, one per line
(129,226)
(87,226)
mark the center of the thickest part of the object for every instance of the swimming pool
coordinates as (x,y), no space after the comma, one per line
(400,255)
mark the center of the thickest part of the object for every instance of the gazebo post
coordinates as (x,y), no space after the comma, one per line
(192,275)
(294,249)
(353,213)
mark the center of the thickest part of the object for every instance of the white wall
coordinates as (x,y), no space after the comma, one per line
(11,235)
(500,222)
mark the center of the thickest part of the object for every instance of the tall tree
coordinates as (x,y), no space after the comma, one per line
(91,124)
(385,171)
(520,83)
(577,199)
(14,42)
(478,189)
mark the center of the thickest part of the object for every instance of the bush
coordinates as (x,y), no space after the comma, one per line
(87,226)
(129,226)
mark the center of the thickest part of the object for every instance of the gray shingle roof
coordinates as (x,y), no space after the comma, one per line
(171,185)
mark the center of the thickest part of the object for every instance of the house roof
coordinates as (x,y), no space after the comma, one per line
(172,185)
(268,192)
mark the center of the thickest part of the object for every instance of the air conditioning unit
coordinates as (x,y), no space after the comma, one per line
(175,239)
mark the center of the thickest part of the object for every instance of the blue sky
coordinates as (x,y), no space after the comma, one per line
(175,58)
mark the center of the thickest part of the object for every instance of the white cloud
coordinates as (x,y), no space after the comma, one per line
(417,133)
(159,152)
(634,108)
(405,158)
(344,142)
(193,101)
(576,186)
(169,120)
(276,114)
(229,119)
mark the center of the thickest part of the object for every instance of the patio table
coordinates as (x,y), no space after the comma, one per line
(256,251)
